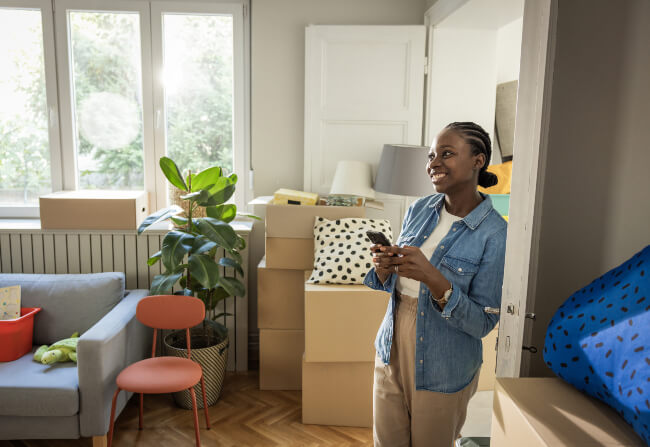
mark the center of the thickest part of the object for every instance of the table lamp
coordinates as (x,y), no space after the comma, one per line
(353,178)
(402,171)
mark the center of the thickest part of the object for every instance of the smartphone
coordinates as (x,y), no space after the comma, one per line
(377,237)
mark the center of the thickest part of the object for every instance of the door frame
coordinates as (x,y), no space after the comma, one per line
(528,174)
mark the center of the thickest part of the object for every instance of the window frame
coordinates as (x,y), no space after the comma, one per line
(66,86)
(58,74)
(236,10)
(49,65)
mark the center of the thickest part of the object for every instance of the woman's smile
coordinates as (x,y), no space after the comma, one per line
(438,177)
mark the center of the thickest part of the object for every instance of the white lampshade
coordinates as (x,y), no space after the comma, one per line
(353,178)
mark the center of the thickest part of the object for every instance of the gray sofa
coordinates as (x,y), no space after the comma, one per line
(67,400)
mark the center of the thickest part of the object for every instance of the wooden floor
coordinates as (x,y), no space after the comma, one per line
(243,416)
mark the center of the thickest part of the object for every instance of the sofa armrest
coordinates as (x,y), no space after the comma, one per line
(113,343)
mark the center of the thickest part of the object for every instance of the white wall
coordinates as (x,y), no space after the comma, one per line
(463,78)
(277,90)
(508,51)
(595,209)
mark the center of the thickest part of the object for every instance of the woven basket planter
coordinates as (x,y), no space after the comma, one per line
(175,199)
(213,360)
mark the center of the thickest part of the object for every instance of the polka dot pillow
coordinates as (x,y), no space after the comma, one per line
(342,249)
(599,341)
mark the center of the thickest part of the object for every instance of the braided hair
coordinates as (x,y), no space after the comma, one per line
(479,141)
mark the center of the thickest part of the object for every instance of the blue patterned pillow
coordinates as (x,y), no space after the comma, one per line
(599,341)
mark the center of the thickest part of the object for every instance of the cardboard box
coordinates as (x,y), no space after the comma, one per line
(289,253)
(93,210)
(280,298)
(280,359)
(488,369)
(540,412)
(341,322)
(337,393)
(297,221)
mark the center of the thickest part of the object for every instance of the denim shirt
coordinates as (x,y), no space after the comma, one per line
(448,350)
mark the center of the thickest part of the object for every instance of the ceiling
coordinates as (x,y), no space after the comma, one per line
(484,14)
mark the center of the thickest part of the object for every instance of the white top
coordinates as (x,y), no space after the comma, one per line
(411,287)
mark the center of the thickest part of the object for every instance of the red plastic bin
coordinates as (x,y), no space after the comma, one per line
(16,335)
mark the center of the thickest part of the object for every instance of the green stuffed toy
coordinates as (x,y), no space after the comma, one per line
(61,351)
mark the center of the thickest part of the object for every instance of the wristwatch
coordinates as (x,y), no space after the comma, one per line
(445,296)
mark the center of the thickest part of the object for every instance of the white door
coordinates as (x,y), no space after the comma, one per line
(363,88)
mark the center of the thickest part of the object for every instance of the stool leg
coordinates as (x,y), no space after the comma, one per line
(110,429)
(141,410)
(205,403)
(196,417)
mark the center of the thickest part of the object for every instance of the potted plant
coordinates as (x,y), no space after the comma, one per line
(191,255)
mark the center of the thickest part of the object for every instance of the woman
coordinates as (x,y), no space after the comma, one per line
(446,268)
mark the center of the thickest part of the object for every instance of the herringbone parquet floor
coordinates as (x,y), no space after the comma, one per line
(243,416)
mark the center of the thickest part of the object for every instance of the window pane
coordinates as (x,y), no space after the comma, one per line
(107,86)
(198,75)
(24,141)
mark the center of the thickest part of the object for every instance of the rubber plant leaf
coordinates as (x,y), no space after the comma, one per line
(231,263)
(154,258)
(204,270)
(202,244)
(175,245)
(163,283)
(250,216)
(235,255)
(206,178)
(158,216)
(218,231)
(172,173)
(222,212)
(233,286)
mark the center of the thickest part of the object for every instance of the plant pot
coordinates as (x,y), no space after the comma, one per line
(210,353)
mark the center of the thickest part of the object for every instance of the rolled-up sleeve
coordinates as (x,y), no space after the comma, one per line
(466,311)
(372,280)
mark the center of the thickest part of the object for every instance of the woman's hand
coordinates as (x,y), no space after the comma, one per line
(410,262)
(382,261)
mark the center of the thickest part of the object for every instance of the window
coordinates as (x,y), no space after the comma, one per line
(29,148)
(136,80)
(106,78)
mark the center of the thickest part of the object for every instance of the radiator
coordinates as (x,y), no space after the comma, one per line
(32,250)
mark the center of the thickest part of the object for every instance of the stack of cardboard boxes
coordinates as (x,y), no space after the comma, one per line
(289,244)
(341,322)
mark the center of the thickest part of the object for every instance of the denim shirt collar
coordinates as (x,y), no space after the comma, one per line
(475,217)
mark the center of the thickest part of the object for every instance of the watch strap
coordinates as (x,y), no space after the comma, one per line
(445,296)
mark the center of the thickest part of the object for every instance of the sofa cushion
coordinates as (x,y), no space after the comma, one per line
(28,388)
(70,303)
(598,340)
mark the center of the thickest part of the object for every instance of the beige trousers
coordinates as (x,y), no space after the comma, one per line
(402,415)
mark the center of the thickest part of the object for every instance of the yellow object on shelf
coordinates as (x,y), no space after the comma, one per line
(291,197)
